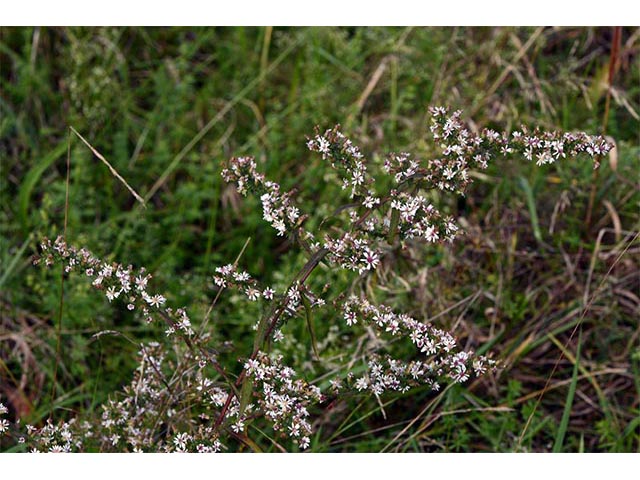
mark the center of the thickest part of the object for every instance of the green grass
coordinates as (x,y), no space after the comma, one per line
(167,108)
(564,422)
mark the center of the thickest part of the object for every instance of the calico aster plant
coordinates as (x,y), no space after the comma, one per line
(195,403)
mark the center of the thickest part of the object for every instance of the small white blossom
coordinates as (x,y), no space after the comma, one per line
(267,293)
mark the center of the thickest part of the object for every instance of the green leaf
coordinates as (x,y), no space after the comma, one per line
(531,203)
(564,422)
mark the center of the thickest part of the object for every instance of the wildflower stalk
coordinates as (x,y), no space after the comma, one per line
(409,216)
(266,326)
(369,224)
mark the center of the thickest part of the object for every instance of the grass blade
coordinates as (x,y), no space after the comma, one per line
(564,422)
(531,203)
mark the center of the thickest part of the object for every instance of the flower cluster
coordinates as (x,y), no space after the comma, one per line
(235,417)
(277,208)
(352,253)
(283,398)
(439,346)
(401,166)
(348,252)
(149,404)
(463,150)
(229,275)
(63,437)
(116,281)
(391,374)
(185,442)
(420,219)
(345,157)
(128,424)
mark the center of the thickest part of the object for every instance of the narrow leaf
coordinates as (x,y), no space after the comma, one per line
(564,422)
(535,224)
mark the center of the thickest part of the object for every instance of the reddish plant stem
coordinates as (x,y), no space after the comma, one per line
(300,278)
